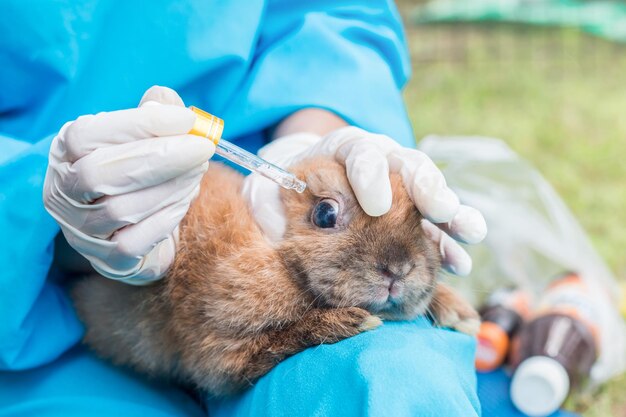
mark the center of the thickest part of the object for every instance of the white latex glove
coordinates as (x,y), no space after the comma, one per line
(119,183)
(369,158)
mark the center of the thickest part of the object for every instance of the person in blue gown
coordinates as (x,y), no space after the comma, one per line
(270,69)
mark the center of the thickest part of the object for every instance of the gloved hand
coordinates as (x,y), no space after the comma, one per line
(119,183)
(369,158)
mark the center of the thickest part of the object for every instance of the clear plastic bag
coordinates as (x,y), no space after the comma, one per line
(532,238)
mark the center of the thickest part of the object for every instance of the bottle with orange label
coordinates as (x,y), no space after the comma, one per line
(502,316)
(555,351)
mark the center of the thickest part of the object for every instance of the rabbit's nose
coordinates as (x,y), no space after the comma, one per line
(393,272)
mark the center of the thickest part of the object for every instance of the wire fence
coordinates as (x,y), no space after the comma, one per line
(543,39)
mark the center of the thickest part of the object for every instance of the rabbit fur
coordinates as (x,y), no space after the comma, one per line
(233,305)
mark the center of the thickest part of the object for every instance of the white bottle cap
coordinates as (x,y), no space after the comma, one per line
(539,386)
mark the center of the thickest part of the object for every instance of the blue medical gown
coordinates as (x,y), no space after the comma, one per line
(251,62)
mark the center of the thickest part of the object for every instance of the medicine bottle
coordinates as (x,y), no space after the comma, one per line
(555,352)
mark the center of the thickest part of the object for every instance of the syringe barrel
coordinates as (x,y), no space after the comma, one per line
(211,127)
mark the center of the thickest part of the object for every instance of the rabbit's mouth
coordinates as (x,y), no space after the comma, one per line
(389,293)
(399,301)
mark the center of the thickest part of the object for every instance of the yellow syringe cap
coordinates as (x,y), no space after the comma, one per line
(207,125)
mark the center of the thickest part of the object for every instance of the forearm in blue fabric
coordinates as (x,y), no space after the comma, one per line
(346,56)
(400,369)
(38,323)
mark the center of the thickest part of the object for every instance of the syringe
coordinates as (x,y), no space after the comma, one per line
(211,127)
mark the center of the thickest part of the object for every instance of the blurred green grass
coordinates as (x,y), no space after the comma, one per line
(558,98)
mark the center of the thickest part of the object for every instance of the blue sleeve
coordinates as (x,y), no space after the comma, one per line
(38,323)
(399,369)
(347,56)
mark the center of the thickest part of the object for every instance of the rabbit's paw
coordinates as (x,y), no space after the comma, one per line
(459,321)
(370,323)
(450,310)
(335,324)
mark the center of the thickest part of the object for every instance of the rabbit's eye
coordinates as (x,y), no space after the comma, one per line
(325,213)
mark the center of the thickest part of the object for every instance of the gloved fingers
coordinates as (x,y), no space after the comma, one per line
(287,149)
(368,173)
(162,95)
(364,156)
(153,265)
(263,196)
(425,184)
(108,258)
(110,213)
(341,141)
(467,226)
(92,132)
(454,258)
(128,167)
(138,239)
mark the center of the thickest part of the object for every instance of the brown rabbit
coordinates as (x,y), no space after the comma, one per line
(233,305)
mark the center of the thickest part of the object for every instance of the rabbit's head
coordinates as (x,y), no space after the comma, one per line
(343,257)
